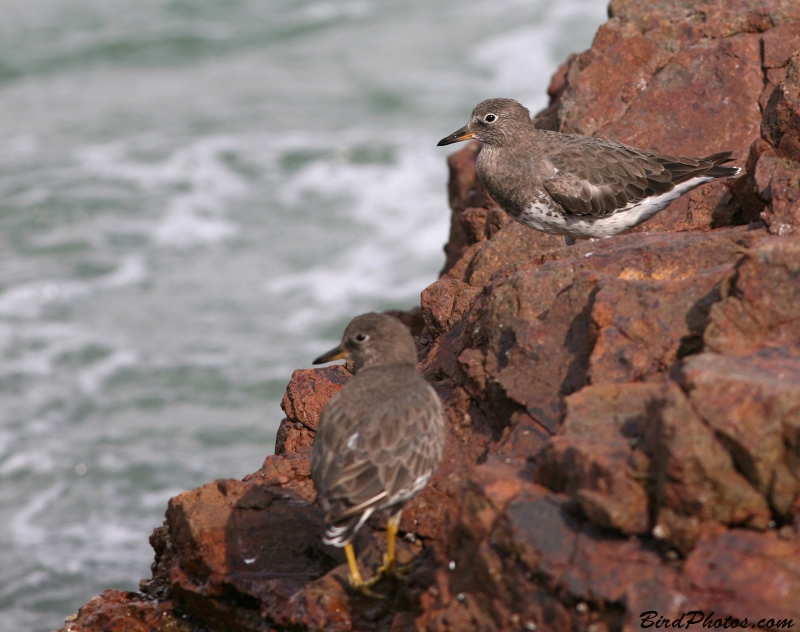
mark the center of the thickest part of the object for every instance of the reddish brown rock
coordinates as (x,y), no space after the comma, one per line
(592,459)
(534,325)
(517,546)
(644,326)
(705,99)
(753,403)
(464,191)
(479,581)
(745,574)
(121,611)
(596,475)
(781,123)
(522,438)
(203,525)
(514,243)
(683,531)
(306,396)
(482,223)
(761,302)
(692,472)
(777,180)
(445,303)
(777,174)
(289,471)
(250,559)
(624,453)
(779,44)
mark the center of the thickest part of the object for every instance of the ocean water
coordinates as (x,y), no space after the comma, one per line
(195,198)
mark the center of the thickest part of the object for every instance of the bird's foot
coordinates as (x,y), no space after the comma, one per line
(389,570)
(364,588)
(394,571)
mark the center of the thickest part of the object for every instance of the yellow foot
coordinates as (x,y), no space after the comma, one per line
(391,569)
(356,583)
(364,587)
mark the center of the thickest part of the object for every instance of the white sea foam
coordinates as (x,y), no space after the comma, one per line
(6,438)
(520,62)
(33,461)
(28,300)
(157,500)
(19,147)
(182,227)
(195,180)
(23,527)
(399,206)
(331,10)
(396,204)
(92,378)
(514,60)
(131,271)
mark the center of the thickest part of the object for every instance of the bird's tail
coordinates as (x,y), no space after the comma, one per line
(718,171)
(342,531)
(707,167)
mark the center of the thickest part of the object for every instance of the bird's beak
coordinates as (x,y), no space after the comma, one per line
(339,353)
(456,137)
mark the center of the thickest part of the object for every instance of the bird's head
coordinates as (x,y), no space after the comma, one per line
(493,121)
(373,340)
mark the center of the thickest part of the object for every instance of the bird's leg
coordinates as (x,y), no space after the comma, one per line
(390,567)
(355,576)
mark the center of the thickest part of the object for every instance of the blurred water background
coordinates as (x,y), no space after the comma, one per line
(195,197)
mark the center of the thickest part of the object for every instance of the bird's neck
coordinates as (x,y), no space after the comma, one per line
(499,169)
(383,366)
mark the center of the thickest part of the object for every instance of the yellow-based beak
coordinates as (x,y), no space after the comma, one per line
(339,353)
(456,137)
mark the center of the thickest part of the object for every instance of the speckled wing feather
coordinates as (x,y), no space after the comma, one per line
(597,177)
(367,456)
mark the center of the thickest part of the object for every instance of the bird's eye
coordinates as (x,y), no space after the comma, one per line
(361,337)
(490,118)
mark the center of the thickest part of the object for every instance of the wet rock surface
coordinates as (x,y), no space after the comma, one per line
(623,415)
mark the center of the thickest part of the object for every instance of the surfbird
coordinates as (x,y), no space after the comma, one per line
(379,439)
(576,186)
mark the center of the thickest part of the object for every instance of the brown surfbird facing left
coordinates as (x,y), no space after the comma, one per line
(379,439)
(576,186)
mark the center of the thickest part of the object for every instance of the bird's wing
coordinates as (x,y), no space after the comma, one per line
(600,177)
(361,461)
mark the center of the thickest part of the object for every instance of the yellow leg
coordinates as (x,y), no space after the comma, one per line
(391,534)
(389,568)
(355,576)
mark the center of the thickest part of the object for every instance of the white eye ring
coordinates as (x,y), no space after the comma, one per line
(489,118)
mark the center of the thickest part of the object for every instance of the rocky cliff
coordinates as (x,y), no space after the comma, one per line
(624,415)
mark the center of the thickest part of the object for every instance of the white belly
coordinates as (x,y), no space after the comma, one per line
(542,217)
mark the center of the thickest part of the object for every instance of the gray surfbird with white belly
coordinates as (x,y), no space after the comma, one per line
(379,439)
(576,186)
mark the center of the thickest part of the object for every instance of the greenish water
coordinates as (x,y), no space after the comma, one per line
(195,197)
